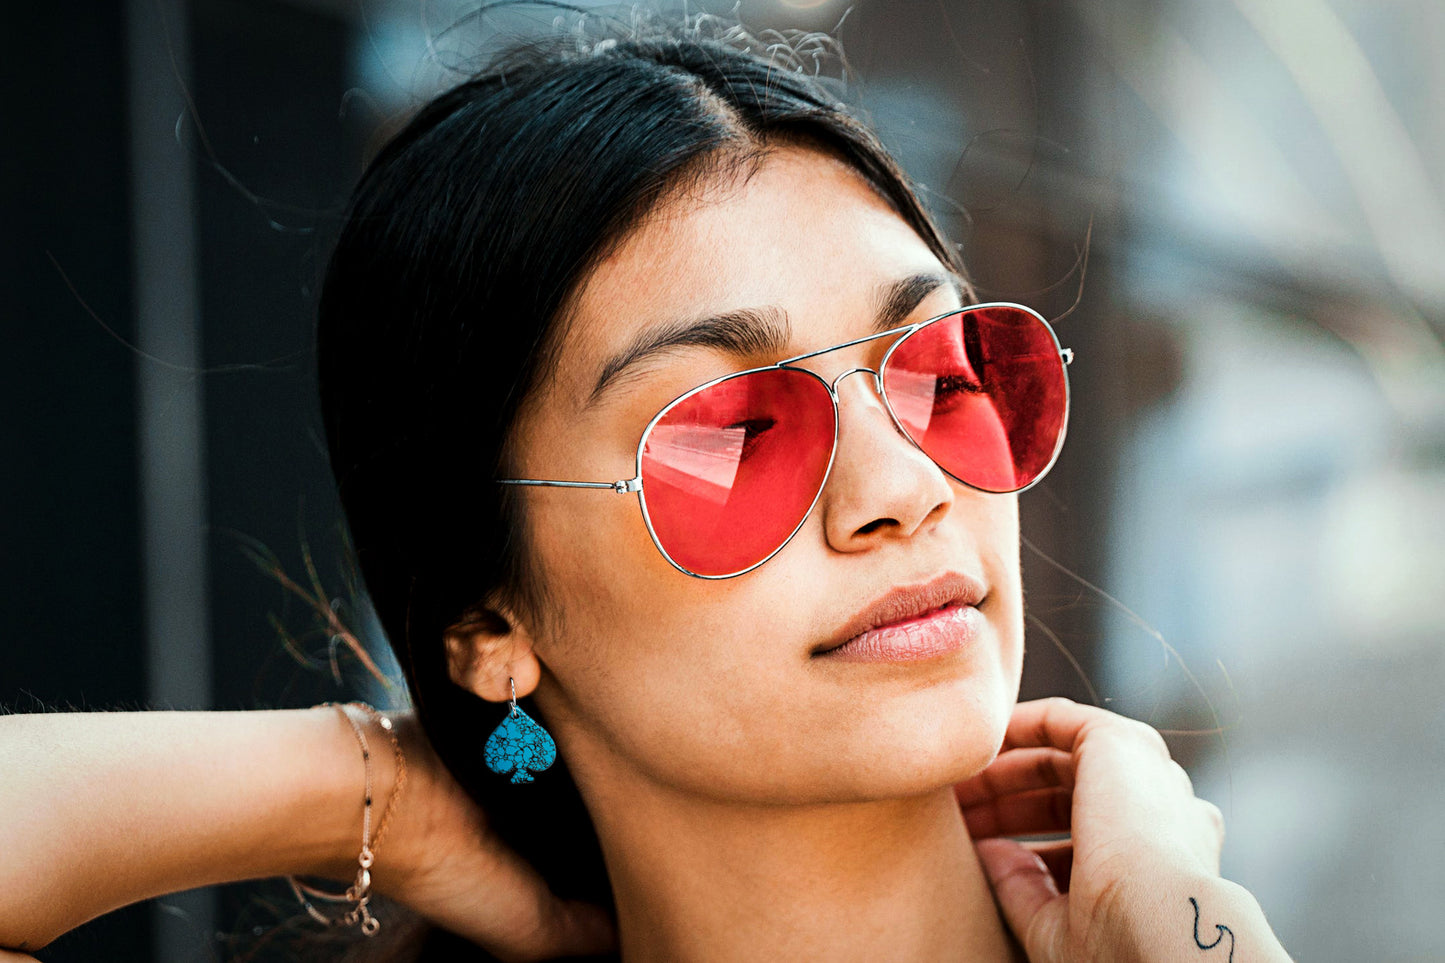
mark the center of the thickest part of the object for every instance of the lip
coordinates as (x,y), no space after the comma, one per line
(910,622)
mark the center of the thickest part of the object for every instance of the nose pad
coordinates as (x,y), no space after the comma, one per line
(877,386)
(854,370)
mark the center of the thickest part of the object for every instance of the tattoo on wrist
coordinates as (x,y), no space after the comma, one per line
(1218,939)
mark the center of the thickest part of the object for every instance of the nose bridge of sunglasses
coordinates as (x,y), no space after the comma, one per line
(856,370)
(868,393)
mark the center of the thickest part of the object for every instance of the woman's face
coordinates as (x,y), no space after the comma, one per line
(713,687)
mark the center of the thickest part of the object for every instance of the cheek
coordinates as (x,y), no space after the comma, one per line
(662,675)
(1006,578)
(631,636)
(706,686)
(668,680)
(589,536)
(1004,606)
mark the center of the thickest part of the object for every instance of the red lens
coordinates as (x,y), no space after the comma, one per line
(730,471)
(982,392)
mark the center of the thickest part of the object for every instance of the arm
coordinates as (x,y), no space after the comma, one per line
(104,809)
(1138,879)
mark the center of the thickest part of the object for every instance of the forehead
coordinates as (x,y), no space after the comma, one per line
(805,232)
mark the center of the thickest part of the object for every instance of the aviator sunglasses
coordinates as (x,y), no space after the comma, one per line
(727,472)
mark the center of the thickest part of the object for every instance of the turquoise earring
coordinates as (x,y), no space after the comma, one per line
(519,746)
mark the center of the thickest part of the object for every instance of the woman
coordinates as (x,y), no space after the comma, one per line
(779,677)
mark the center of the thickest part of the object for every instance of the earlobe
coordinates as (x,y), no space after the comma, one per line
(486,655)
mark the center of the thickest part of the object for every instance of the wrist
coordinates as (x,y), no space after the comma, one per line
(337,808)
(403,846)
(1179,917)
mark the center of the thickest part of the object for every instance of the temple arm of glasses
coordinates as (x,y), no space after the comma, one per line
(621,486)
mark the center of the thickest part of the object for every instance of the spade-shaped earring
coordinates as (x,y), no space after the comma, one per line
(519,746)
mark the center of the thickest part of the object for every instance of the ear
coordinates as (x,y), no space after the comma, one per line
(487,649)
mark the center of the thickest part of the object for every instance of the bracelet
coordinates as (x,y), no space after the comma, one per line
(359,892)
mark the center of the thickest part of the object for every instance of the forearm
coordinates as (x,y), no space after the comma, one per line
(98,810)
(1199,919)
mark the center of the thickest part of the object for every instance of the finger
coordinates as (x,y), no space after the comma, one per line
(1018,770)
(1027,896)
(1214,821)
(1035,811)
(1055,721)
(495,898)
(1058,856)
(517,916)
(1064,724)
(552,929)
(1213,817)
(581,929)
(8,957)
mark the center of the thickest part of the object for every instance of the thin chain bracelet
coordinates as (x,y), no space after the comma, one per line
(359,892)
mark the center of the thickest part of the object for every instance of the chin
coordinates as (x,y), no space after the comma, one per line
(955,747)
(921,741)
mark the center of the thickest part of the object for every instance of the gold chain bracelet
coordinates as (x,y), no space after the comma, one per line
(359,893)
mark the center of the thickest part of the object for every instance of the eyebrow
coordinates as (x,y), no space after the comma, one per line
(765,330)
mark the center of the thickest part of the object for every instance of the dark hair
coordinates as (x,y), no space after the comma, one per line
(446,298)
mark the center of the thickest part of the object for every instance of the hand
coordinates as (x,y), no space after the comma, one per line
(1138,832)
(450,868)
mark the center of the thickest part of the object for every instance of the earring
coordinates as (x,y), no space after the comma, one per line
(519,746)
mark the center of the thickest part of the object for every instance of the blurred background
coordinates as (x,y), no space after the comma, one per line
(1235,209)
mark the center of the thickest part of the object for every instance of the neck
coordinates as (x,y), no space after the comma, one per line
(703,879)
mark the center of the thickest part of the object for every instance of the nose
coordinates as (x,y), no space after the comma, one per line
(882,486)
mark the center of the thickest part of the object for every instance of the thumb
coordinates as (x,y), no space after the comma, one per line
(580,929)
(521,920)
(1027,896)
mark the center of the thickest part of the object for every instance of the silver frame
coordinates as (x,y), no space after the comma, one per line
(634,484)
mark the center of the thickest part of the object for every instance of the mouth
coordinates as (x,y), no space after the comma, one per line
(910,622)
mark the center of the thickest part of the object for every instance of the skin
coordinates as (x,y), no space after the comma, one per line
(747,794)
(630,633)
(752,801)
(817,769)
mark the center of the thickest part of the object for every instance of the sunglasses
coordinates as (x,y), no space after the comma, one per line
(728,472)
